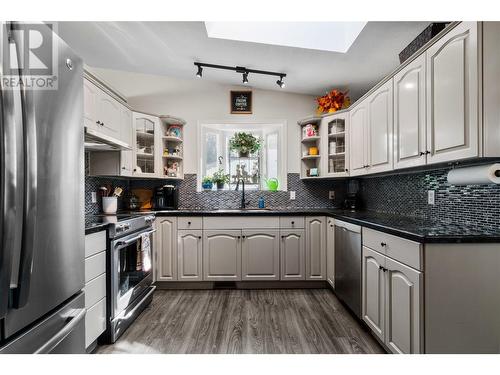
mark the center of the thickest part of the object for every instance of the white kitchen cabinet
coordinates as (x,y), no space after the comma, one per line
(379,139)
(403,308)
(166,248)
(409,115)
(292,254)
(330,251)
(373,292)
(146,145)
(452,95)
(316,248)
(222,255)
(110,116)
(127,156)
(260,255)
(189,255)
(90,93)
(358,140)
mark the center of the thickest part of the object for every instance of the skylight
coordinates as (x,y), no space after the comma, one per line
(324,36)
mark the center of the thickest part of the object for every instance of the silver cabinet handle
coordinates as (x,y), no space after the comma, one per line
(62,334)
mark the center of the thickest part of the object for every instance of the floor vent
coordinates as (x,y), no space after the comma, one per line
(224,285)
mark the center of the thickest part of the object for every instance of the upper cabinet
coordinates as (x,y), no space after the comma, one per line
(379,139)
(452,95)
(358,139)
(146,145)
(409,115)
(335,145)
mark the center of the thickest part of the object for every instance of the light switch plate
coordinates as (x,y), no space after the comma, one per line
(331,194)
(94,197)
(431,197)
(292,195)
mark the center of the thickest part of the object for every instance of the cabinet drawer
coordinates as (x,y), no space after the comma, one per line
(240,222)
(95,243)
(405,251)
(95,322)
(292,222)
(189,222)
(95,266)
(95,290)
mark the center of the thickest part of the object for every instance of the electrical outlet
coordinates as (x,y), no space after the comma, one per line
(94,197)
(431,197)
(292,195)
(331,195)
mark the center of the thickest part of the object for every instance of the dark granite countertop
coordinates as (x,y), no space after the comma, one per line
(416,229)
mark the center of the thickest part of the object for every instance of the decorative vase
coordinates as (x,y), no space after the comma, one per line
(220,185)
(244,154)
(207,185)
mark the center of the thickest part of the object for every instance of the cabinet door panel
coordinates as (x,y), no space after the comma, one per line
(166,248)
(403,304)
(452,92)
(90,105)
(330,251)
(373,291)
(316,248)
(409,115)
(189,255)
(358,121)
(109,113)
(222,255)
(260,255)
(380,129)
(292,254)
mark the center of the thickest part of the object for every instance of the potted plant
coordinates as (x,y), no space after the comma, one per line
(220,178)
(207,183)
(245,144)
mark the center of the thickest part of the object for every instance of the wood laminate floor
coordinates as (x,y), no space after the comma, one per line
(245,321)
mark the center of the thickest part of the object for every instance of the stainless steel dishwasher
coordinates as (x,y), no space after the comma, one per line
(348,264)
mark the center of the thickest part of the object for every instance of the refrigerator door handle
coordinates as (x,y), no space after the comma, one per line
(21,293)
(11,219)
(73,321)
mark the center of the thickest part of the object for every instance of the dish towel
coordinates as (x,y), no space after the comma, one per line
(146,252)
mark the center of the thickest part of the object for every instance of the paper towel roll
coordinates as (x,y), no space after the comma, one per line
(481,174)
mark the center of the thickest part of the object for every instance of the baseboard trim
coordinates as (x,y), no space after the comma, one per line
(197,285)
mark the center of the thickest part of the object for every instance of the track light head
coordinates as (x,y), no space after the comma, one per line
(245,78)
(200,72)
(280,82)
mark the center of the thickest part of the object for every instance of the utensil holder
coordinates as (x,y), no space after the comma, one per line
(109,205)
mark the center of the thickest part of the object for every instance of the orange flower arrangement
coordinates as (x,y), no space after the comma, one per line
(333,101)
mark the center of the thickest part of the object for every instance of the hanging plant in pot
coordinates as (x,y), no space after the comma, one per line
(244,144)
(220,179)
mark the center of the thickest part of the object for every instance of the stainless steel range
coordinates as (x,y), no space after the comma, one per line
(130,273)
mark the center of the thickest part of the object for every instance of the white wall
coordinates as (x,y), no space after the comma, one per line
(199,99)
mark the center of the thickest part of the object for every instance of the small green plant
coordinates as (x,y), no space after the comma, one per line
(206,180)
(220,178)
(245,143)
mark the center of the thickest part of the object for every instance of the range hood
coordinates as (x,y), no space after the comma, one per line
(96,141)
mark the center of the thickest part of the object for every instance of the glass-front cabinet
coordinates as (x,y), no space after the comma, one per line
(146,140)
(334,138)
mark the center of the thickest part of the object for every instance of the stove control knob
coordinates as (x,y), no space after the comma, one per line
(126,226)
(119,228)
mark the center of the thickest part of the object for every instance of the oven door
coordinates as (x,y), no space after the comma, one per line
(131,268)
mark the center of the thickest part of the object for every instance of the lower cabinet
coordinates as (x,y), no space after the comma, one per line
(222,255)
(166,245)
(330,251)
(189,255)
(316,248)
(260,255)
(292,254)
(392,302)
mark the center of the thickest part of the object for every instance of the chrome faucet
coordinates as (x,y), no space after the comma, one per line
(243,201)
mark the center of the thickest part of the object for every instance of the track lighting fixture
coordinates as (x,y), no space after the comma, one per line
(241,69)
(280,82)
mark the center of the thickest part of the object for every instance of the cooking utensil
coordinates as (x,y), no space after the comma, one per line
(118,192)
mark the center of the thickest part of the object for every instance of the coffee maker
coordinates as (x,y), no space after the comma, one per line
(166,198)
(352,201)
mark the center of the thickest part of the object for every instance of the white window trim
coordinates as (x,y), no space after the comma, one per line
(283,168)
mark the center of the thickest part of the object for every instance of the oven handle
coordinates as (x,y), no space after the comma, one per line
(128,242)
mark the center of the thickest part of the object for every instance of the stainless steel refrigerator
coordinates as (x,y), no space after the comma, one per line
(42,307)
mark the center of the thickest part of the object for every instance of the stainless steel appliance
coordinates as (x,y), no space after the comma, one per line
(130,288)
(42,306)
(166,198)
(348,265)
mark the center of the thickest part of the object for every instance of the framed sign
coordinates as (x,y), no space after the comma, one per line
(241,102)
